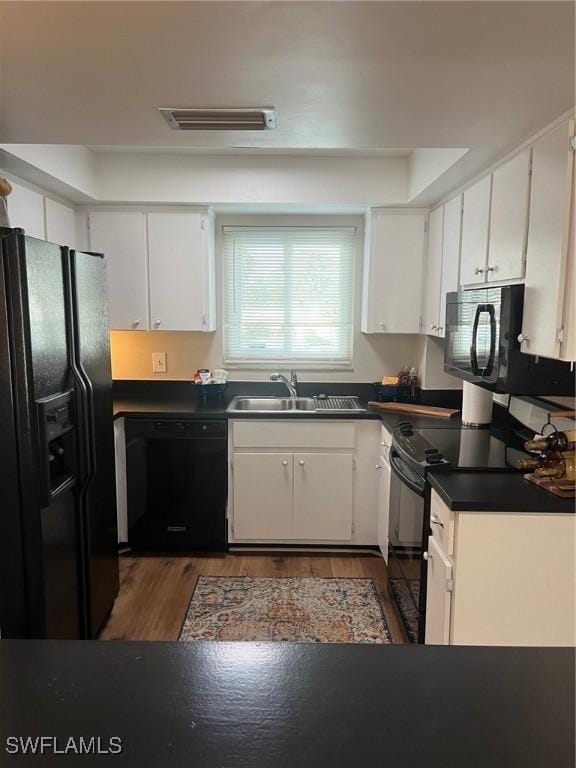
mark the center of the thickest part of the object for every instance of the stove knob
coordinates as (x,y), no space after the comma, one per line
(435,458)
(404,424)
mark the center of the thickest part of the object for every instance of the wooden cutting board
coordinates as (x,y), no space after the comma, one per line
(420,410)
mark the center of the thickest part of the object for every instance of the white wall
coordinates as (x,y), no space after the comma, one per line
(67,171)
(427,165)
(430,365)
(249,179)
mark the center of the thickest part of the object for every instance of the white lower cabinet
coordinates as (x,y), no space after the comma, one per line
(438,595)
(500,578)
(303,482)
(384,474)
(322,496)
(263,485)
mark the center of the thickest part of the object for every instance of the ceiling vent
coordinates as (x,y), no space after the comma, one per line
(220,119)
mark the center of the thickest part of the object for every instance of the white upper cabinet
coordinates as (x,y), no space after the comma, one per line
(568,343)
(475,224)
(26,210)
(121,237)
(450,255)
(60,224)
(393,267)
(180,280)
(509,219)
(434,272)
(160,269)
(546,256)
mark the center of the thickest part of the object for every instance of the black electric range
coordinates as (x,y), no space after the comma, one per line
(458,448)
(413,454)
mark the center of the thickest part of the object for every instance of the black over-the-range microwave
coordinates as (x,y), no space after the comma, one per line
(481,345)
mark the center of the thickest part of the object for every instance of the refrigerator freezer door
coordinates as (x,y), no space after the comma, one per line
(41,373)
(13,613)
(99,502)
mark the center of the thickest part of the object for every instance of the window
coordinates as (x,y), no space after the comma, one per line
(288,295)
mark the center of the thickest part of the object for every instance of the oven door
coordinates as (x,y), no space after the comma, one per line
(472,345)
(407,513)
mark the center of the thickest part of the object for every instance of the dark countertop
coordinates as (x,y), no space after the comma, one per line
(194,407)
(495,491)
(281,705)
(391,420)
(159,407)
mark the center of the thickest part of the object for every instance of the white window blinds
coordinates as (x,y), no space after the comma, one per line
(288,295)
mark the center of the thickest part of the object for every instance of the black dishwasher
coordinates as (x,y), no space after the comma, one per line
(176,474)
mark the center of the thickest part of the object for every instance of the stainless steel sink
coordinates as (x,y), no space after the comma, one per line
(295,405)
(261,404)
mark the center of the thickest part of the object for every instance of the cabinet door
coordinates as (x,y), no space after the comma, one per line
(450,255)
(392,291)
(475,221)
(121,237)
(26,210)
(509,218)
(384,474)
(552,162)
(178,280)
(434,272)
(568,345)
(263,490)
(323,496)
(60,224)
(438,595)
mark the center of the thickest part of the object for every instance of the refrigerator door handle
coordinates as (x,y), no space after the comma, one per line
(79,380)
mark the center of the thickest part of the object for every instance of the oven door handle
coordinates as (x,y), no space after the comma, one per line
(489,308)
(396,468)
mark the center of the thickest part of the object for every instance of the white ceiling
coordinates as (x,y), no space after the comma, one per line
(345,77)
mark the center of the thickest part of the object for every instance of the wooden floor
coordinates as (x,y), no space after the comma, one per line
(155,591)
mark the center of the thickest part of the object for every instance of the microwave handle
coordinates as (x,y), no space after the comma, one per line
(473,350)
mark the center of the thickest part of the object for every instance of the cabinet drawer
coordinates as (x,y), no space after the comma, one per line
(442,523)
(291,434)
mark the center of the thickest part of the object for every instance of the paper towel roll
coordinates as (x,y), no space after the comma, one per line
(476,406)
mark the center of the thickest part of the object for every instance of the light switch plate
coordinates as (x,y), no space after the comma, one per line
(159,362)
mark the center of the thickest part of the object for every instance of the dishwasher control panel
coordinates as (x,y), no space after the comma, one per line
(191,428)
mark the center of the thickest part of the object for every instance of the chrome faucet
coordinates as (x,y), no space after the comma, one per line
(291,383)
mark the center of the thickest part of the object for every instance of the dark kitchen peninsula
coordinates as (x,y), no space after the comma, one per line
(282,705)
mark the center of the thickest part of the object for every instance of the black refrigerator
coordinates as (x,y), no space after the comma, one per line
(58,539)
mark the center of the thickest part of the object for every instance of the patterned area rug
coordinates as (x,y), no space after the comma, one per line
(296,609)
(406,598)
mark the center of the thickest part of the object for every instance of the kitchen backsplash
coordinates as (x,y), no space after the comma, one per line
(374,356)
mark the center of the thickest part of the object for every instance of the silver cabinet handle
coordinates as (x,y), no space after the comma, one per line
(523,338)
(135,323)
(436,521)
(491,268)
(301,462)
(433,327)
(479,271)
(381,323)
(378,466)
(156,323)
(427,556)
(439,327)
(284,463)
